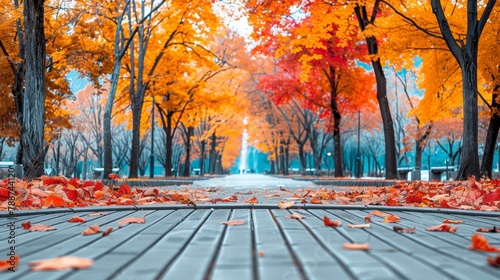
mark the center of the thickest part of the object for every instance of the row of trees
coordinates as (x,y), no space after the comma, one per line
(314,68)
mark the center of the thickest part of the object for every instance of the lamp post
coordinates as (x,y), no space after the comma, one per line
(329,155)
(152,156)
(358,156)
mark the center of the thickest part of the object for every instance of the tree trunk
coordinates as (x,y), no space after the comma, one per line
(389,137)
(213,153)
(187,165)
(32,126)
(135,152)
(469,159)
(202,157)
(302,159)
(168,148)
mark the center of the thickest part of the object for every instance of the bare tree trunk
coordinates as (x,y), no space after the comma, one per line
(187,165)
(202,157)
(32,126)
(491,135)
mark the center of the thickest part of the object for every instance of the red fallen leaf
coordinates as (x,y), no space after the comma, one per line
(10,263)
(92,230)
(26,203)
(261,253)
(71,193)
(151,192)
(405,230)
(4,194)
(123,189)
(368,219)
(316,200)
(285,205)
(98,186)
(494,229)
(295,216)
(493,261)
(48,181)
(356,246)
(252,200)
(331,223)
(61,263)
(479,242)
(74,182)
(233,222)
(391,219)
(108,231)
(442,227)
(131,220)
(232,198)
(446,221)
(76,219)
(359,225)
(40,227)
(26,225)
(113,176)
(379,213)
(97,214)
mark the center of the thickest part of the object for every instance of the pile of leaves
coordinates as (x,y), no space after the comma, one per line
(50,192)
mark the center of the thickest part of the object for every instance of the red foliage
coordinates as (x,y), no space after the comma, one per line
(479,242)
(331,223)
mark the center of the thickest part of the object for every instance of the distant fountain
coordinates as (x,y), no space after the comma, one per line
(244,149)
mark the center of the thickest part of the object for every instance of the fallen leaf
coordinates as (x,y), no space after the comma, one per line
(108,231)
(493,261)
(402,229)
(233,222)
(368,219)
(92,230)
(97,214)
(446,221)
(379,213)
(356,246)
(285,205)
(261,253)
(479,242)
(113,176)
(391,219)
(10,263)
(41,227)
(442,227)
(76,219)
(61,263)
(494,229)
(131,220)
(295,216)
(252,200)
(331,223)
(359,225)
(26,225)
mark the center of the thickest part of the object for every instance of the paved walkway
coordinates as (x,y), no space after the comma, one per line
(185,242)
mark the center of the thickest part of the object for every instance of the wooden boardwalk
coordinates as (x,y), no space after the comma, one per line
(182,242)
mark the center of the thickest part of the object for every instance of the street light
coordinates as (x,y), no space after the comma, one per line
(152,156)
(329,155)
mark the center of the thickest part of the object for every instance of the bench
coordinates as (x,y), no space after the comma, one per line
(403,172)
(437,172)
(9,167)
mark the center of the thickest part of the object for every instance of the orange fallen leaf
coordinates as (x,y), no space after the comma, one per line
(108,231)
(233,222)
(295,216)
(26,225)
(446,221)
(9,264)
(97,214)
(379,213)
(331,223)
(131,220)
(356,246)
(261,253)
(113,176)
(442,227)
(479,242)
(252,200)
(285,205)
(391,219)
(41,227)
(92,230)
(61,263)
(53,201)
(405,230)
(76,219)
(359,225)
